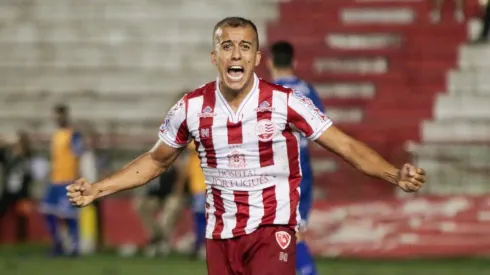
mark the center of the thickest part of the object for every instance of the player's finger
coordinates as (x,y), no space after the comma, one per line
(420,171)
(415,182)
(419,177)
(404,186)
(74,194)
(85,186)
(80,182)
(71,188)
(411,188)
(78,201)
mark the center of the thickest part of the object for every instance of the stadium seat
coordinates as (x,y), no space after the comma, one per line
(386,61)
(454,144)
(58,50)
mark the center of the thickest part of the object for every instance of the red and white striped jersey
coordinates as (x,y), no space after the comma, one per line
(250,158)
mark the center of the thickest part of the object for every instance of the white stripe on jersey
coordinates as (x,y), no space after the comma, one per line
(255,210)
(298,214)
(194,107)
(280,155)
(220,140)
(229,217)
(211,218)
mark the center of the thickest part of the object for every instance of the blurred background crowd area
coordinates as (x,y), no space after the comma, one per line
(411,78)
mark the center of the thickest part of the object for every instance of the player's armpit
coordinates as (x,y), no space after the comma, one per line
(140,171)
(358,154)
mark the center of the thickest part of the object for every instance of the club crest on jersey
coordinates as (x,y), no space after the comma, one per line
(264,107)
(164,126)
(283,239)
(206,112)
(236,159)
(265,130)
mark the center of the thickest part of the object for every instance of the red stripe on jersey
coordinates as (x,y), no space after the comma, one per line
(299,122)
(294,172)
(242,214)
(218,213)
(270,205)
(182,133)
(235,135)
(265,147)
(206,126)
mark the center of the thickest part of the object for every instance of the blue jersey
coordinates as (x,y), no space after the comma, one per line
(305,88)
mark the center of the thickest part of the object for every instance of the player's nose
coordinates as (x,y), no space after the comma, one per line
(236,54)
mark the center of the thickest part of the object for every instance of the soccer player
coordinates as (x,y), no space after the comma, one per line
(281,68)
(66,149)
(246,132)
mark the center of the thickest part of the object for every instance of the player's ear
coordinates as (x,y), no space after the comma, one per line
(213,57)
(295,63)
(258,57)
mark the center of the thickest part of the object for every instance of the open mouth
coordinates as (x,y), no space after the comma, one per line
(235,72)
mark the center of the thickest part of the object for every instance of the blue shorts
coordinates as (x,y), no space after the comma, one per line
(305,199)
(199,203)
(56,202)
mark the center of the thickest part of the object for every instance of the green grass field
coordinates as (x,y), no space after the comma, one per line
(29,261)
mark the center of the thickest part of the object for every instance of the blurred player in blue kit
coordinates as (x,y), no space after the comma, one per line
(281,68)
(66,148)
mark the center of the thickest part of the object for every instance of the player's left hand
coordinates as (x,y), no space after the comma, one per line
(411,178)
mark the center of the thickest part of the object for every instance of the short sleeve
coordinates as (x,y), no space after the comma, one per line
(174,131)
(313,95)
(305,116)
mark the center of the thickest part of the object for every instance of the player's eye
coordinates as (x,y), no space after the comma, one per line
(246,47)
(226,47)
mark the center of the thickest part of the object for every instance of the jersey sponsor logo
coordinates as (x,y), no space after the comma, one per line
(283,239)
(264,107)
(265,130)
(236,160)
(206,112)
(232,178)
(240,182)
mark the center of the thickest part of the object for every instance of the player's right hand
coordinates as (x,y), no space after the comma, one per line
(81,193)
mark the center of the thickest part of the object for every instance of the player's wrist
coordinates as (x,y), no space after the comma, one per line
(393,176)
(97,190)
(398,176)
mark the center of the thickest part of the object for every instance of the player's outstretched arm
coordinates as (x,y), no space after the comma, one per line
(137,173)
(365,159)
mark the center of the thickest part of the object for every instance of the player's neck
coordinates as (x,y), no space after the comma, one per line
(235,98)
(282,73)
